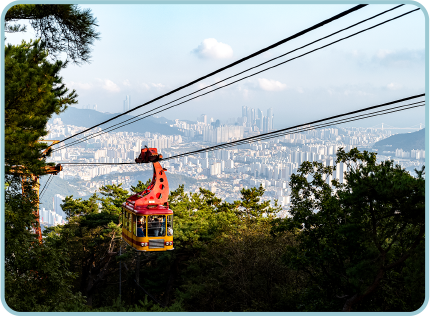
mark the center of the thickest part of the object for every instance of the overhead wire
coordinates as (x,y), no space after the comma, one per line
(303,127)
(278,133)
(354,34)
(246,70)
(46,186)
(271,135)
(316,26)
(299,130)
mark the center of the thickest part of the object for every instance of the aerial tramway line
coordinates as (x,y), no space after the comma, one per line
(146,218)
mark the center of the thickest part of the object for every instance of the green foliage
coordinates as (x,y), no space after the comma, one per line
(35,272)
(61,27)
(251,206)
(350,237)
(114,197)
(199,217)
(140,187)
(33,92)
(243,272)
(92,235)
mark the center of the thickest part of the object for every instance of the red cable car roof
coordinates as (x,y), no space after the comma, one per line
(154,199)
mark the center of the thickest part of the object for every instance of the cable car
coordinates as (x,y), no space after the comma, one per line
(147,221)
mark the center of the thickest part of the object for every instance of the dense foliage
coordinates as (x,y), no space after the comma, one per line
(61,27)
(353,237)
(33,92)
(37,276)
(240,257)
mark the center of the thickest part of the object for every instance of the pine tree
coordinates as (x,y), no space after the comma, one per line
(61,27)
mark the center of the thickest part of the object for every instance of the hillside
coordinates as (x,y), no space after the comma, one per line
(56,186)
(405,141)
(87,118)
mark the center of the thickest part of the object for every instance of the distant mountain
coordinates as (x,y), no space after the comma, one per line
(88,118)
(405,141)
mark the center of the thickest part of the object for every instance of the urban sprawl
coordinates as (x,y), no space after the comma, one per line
(225,171)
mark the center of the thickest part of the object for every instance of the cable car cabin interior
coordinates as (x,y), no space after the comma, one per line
(147,221)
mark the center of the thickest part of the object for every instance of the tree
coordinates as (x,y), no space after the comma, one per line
(92,235)
(351,236)
(37,276)
(34,91)
(252,207)
(61,27)
(141,186)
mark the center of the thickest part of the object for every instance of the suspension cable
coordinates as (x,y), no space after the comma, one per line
(226,85)
(316,26)
(284,131)
(46,186)
(275,134)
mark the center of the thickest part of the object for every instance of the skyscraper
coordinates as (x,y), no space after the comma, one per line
(58,200)
(244,111)
(270,116)
(126,105)
(203,118)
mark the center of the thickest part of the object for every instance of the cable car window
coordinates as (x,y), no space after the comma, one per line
(170,225)
(156,226)
(130,223)
(134,224)
(125,222)
(141,226)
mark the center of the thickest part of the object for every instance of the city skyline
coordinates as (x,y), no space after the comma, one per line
(225,171)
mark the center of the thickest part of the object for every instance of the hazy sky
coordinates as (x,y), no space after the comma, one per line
(147,50)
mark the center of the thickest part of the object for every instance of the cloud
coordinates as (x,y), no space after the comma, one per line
(212,49)
(271,85)
(110,86)
(390,58)
(159,85)
(74,85)
(152,85)
(126,83)
(394,86)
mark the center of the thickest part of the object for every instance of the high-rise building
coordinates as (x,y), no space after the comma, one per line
(265,125)
(126,105)
(244,111)
(203,118)
(270,116)
(58,200)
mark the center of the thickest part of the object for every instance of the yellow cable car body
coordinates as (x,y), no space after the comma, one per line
(147,221)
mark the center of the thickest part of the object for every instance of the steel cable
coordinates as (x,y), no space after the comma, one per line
(226,85)
(277,133)
(316,26)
